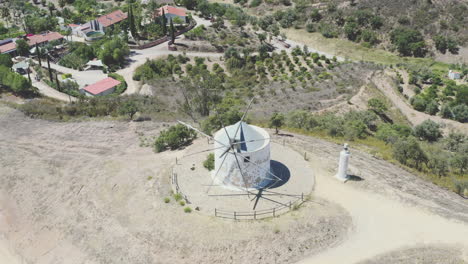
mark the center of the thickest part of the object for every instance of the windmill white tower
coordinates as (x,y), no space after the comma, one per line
(242,161)
(251,164)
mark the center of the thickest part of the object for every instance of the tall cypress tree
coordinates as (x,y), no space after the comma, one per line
(164,22)
(38,53)
(48,66)
(132,22)
(57,81)
(172,33)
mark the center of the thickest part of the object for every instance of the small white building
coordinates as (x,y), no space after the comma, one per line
(253,156)
(454,75)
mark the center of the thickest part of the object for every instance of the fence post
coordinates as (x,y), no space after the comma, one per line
(216,212)
(274,211)
(255,215)
(235,215)
(283,142)
(290,205)
(305,155)
(302,196)
(176,160)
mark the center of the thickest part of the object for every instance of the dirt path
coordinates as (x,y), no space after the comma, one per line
(385,84)
(46,90)
(381,224)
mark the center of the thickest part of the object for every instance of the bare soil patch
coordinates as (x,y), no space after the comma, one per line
(86,192)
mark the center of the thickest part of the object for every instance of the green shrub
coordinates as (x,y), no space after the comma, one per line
(167,199)
(209,162)
(174,138)
(182,203)
(187,210)
(177,197)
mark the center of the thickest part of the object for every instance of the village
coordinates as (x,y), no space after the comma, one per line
(245,131)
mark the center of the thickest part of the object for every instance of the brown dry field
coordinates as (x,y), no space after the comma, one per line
(86,192)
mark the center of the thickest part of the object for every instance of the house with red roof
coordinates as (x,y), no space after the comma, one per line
(43,38)
(107,21)
(8,46)
(171,12)
(101,88)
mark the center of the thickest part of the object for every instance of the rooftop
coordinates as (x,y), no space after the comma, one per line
(112,18)
(101,86)
(8,47)
(44,37)
(170,10)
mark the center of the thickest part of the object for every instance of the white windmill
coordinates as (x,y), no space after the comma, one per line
(242,160)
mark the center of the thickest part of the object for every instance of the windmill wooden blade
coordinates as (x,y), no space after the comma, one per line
(241,172)
(248,159)
(206,150)
(243,116)
(206,135)
(216,175)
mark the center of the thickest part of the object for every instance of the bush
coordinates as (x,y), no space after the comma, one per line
(182,203)
(209,162)
(409,152)
(174,138)
(123,84)
(167,199)
(187,210)
(460,113)
(428,130)
(177,197)
(418,103)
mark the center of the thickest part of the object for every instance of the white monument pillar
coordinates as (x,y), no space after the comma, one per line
(343,164)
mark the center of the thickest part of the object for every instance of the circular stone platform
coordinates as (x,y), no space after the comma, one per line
(194,181)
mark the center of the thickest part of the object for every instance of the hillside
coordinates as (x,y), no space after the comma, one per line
(420,28)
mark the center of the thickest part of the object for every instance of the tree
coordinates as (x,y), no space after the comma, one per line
(277,121)
(22,47)
(409,152)
(408,41)
(432,107)
(174,138)
(131,18)
(57,82)
(190,4)
(113,52)
(428,130)
(48,67)
(172,33)
(377,105)
(460,113)
(315,15)
(164,23)
(5,60)
(38,54)
(351,30)
(418,103)
(128,108)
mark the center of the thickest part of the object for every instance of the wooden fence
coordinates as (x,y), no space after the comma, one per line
(260,214)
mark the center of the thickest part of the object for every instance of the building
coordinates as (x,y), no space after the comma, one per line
(101,88)
(21,67)
(44,38)
(107,21)
(250,167)
(8,46)
(454,75)
(171,12)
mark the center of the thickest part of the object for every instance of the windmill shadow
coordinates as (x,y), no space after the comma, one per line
(354,178)
(281,171)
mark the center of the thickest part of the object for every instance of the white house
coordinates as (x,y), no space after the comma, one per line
(454,75)
(253,156)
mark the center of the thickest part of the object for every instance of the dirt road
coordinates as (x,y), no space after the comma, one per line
(385,84)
